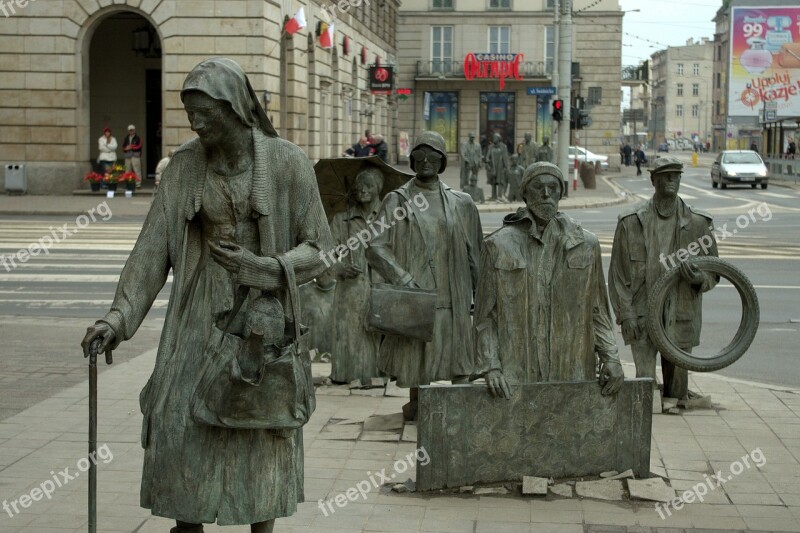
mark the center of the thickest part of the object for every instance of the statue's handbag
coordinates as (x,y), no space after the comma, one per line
(280,397)
(402,311)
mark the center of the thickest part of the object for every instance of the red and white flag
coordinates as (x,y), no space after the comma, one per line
(326,36)
(296,23)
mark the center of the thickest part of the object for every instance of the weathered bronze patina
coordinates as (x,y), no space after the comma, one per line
(433,242)
(647,242)
(541,308)
(355,350)
(470,160)
(229,201)
(544,153)
(527,152)
(498,166)
(554,430)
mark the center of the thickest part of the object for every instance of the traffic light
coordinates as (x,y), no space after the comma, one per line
(558,108)
(573,117)
(584,120)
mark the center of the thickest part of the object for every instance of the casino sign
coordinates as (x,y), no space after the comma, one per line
(497,66)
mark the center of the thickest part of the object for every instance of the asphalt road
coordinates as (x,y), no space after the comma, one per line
(69,287)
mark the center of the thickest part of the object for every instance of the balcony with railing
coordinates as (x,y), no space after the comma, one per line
(454,69)
(635,74)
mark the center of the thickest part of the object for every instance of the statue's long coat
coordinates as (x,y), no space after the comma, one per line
(222,477)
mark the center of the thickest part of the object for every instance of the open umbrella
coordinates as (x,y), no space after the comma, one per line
(336,179)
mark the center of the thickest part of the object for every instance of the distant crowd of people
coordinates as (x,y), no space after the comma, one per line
(131,151)
(367,145)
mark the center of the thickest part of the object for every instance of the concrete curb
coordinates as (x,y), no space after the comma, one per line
(622,197)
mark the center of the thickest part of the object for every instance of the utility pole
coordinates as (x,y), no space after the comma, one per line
(565,86)
(556,33)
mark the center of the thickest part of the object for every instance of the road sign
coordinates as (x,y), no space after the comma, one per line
(541,91)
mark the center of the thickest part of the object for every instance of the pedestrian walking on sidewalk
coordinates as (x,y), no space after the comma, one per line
(640,159)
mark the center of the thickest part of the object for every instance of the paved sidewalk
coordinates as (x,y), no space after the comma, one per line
(75,205)
(42,441)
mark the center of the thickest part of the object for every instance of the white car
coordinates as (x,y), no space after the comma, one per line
(739,167)
(585,155)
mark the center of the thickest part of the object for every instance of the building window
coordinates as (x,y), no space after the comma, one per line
(680,69)
(499,4)
(718,107)
(497,115)
(696,69)
(695,89)
(679,110)
(595,96)
(695,110)
(442,4)
(549,48)
(719,80)
(499,39)
(441,116)
(680,89)
(441,49)
(551,4)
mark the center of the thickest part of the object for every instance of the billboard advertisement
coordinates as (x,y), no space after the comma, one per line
(765,61)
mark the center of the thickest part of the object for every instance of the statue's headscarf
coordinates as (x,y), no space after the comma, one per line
(223,79)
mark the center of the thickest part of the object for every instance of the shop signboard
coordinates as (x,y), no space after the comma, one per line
(765,61)
(493,66)
(381,79)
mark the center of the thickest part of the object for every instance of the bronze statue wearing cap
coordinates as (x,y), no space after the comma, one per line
(541,308)
(470,160)
(647,238)
(435,245)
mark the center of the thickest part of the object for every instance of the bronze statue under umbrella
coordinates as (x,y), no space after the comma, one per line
(352,190)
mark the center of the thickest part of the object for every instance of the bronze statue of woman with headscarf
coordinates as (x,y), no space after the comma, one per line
(230,202)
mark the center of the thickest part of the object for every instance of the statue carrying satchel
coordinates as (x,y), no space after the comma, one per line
(402,310)
(280,394)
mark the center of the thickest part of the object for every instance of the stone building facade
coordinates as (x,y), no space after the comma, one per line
(70,68)
(682,91)
(448,48)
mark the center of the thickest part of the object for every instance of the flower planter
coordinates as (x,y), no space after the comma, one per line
(95,186)
(130,186)
(112,186)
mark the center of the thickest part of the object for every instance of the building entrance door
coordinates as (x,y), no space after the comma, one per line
(497,116)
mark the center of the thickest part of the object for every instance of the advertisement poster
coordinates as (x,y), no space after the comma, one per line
(765,61)
(443,117)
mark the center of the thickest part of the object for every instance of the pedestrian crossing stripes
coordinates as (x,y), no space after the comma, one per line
(76,276)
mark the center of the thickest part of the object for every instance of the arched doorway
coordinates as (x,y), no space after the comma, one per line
(125,84)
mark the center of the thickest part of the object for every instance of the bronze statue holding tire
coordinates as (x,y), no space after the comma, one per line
(647,241)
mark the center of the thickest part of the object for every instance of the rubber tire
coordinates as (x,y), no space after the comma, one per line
(723,185)
(763,185)
(753,186)
(714,184)
(744,335)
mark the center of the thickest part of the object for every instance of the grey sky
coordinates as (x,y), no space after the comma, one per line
(662,23)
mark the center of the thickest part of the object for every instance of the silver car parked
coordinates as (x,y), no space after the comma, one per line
(739,167)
